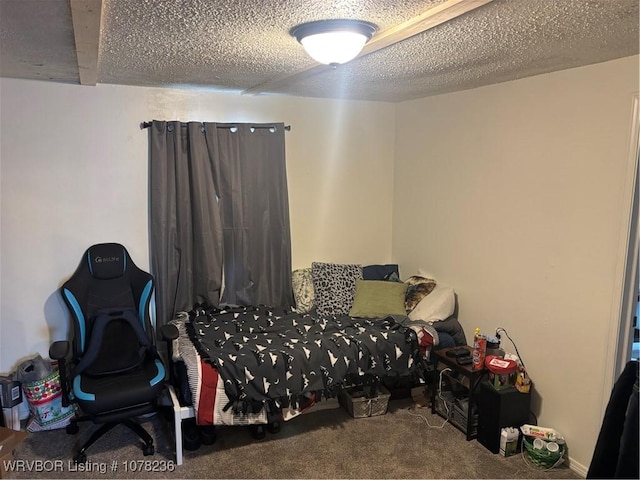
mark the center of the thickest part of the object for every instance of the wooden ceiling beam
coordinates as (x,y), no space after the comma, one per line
(441,13)
(433,17)
(87,17)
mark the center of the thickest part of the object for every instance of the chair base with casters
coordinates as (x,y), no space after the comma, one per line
(81,455)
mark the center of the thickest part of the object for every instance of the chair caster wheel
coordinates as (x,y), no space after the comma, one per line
(80,458)
(148,450)
(72,428)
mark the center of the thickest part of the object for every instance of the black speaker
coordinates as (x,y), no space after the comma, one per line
(498,409)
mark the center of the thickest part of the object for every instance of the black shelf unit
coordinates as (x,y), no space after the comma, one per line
(498,409)
(453,393)
(452,402)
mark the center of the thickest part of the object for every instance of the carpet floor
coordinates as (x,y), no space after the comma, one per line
(406,442)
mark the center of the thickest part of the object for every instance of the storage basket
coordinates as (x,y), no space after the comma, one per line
(542,457)
(360,406)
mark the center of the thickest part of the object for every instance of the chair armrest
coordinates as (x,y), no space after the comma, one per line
(169,332)
(59,350)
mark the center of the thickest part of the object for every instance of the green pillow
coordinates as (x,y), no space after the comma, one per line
(378,298)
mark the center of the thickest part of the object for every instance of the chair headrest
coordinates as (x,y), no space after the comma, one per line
(107,260)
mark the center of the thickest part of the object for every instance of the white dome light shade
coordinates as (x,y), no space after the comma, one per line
(334,42)
(334,47)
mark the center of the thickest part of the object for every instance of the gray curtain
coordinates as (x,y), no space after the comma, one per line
(218,200)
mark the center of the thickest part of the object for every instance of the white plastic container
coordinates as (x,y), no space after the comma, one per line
(509,441)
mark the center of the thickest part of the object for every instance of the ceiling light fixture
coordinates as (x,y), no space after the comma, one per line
(333,42)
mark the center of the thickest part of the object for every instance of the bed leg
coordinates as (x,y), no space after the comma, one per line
(177,420)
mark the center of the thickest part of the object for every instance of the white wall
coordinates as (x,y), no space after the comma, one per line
(74,172)
(517,195)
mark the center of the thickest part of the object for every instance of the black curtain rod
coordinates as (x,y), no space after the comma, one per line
(144,125)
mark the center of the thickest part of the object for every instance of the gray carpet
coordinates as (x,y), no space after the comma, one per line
(322,444)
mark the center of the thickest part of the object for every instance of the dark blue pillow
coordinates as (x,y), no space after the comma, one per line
(381,272)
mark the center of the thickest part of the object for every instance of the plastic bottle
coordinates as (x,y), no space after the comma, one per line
(509,441)
(479,350)
(493,347)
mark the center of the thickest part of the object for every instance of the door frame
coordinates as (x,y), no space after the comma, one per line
(621,336)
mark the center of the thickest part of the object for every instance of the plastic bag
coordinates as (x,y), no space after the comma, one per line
(35,368)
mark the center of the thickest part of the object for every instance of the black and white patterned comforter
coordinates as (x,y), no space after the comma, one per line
(275,359)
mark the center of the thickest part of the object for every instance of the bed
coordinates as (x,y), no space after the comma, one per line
(253,365)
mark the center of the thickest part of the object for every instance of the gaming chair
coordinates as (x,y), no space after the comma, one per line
(110,368)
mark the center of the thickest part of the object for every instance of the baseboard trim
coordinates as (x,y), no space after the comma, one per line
(578,468)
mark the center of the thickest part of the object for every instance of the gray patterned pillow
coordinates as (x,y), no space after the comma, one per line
(303,292)
(335,286)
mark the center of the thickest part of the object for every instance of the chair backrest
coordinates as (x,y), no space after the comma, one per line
(107,280)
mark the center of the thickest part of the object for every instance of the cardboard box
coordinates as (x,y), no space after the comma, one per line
(9,440)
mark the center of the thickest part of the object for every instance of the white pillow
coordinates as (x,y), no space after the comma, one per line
(425,273)
(438,305)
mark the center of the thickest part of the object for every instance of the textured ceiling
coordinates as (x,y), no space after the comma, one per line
(245,44)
